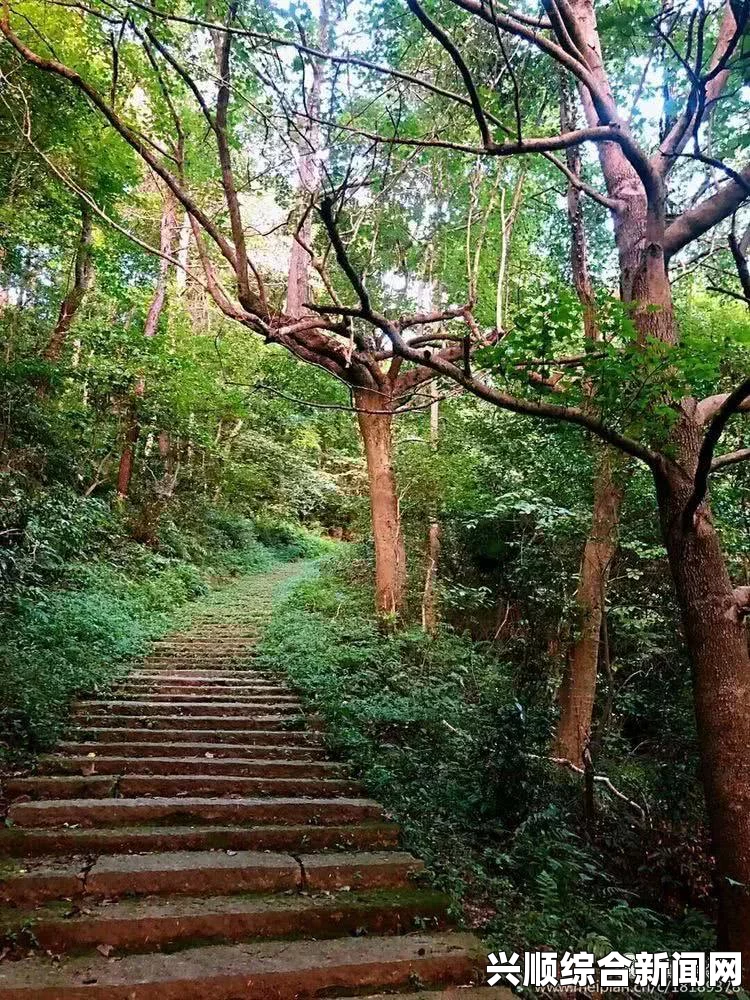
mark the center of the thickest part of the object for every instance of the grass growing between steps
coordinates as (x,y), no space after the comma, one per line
(434,728)
(81,599)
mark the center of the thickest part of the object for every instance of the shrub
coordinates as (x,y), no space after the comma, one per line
(80,597)
(436,730)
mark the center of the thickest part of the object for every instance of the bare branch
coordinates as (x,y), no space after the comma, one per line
(731,404)
(731,458)
(706,214)
(706,88)
(740,262)
(469,381)
(450,47)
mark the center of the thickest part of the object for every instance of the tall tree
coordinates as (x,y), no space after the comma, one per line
(679,434)
(578,688)
(81,279)
(167,235)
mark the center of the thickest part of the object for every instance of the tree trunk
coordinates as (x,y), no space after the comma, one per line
(429,602)
(578,689)
(717,641)
(71,303)
(155,309)
(82,270)
(132,433)
(390,552)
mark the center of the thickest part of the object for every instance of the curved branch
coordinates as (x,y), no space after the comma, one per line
(731,458)
(731,404)
(128,134)
(696,221)
(451,48)
(528,407)
(705,90)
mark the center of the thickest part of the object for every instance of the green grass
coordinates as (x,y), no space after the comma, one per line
(72,625)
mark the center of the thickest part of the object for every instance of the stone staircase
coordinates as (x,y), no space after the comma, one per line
(191,840)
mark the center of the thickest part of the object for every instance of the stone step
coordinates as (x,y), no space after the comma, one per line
(204,873)
(184,722)
(368,836)
(203,646)
(130,812)
(192,706)
(141,924)
(205,693)
(137,748)
(200,657)
(243,767)
(179,663)
(229,677)
(191,872)
(99,786)
(204,649)
(258,737)
(187,684)
(259,971)
(216,632)
(242,681)
(199,643)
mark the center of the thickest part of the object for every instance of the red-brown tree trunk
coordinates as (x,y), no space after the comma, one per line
(82,273)
(578,689)
(715,635)
(390,553)
(132,433)
(82,276)
(717,641)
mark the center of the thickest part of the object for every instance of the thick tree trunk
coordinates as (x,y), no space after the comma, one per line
(578,689)
(717,641)
(390,552)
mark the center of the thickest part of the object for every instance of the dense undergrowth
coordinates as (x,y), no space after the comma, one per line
(80,596)
(439,733)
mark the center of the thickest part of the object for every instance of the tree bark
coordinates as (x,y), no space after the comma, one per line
(390,552)
(82,270)
(82,276)
(429,601)
(577,692)
(168,231)
(717,640)
(578,688)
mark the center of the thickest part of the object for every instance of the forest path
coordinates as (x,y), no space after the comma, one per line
(191,839)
